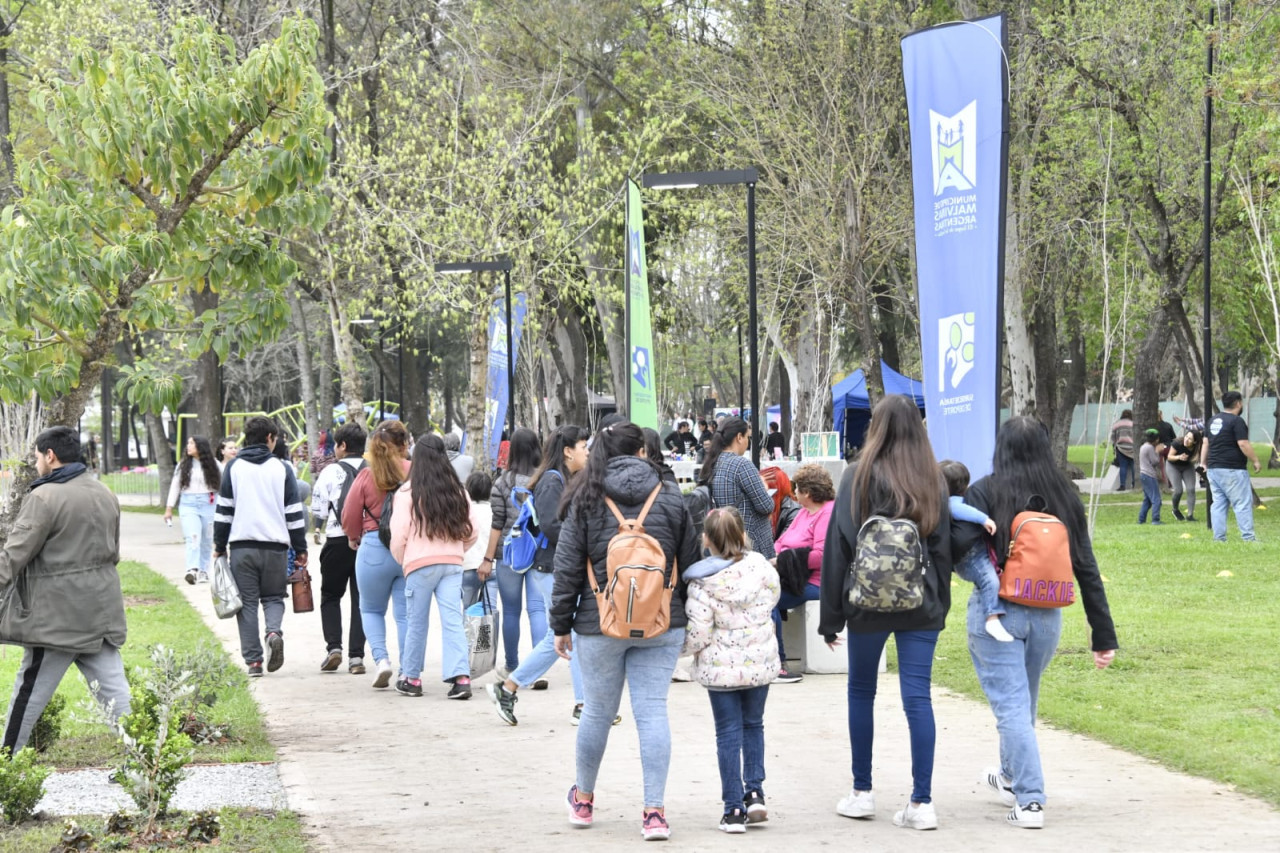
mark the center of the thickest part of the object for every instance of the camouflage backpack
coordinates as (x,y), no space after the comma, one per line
(887,572)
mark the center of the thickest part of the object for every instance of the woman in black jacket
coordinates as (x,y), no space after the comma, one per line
(618,470)
(563,455)
(1010,672)
(896,476)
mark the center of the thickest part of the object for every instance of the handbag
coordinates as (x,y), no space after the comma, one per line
(223,588)
(481,623)
(303,601)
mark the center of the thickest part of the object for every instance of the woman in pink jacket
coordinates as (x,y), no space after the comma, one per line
(816,495)
(431,528)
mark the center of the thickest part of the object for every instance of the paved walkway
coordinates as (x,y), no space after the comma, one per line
(372,770)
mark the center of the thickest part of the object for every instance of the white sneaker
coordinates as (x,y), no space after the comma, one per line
(859,804)
(385,671)
(203,577)
(917,816)
(1031,817)
(1001,784)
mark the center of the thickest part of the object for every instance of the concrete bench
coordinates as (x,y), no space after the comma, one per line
(804,645)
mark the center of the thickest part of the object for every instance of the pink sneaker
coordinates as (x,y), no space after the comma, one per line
(580,812)
(655,827)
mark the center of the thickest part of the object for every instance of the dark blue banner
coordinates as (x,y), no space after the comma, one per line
(957,103)
(495,404)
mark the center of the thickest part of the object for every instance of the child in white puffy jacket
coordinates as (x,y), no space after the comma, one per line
(730,633)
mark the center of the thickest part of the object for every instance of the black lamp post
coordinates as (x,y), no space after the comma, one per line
(504,266)
(688,180)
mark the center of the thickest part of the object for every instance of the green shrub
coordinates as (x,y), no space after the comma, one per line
(21,784)
(48,728)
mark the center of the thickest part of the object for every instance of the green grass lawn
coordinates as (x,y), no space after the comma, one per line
(1081,455)
(1195,684)
(243,831)
(157,614)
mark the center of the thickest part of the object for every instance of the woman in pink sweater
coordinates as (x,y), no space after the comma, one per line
(816,494)
(431,528)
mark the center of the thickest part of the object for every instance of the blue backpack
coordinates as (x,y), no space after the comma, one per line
(525,538)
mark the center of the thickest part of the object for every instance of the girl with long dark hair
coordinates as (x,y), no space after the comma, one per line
(563,456)
(1023,468)
(432,527)
(517,590)
(897,477)
(617,471)
(195,487)
(378,575)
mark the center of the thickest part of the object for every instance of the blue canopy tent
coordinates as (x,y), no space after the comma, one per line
(851,405)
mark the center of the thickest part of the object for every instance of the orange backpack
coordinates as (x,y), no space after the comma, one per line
(1037,572)
(635,603)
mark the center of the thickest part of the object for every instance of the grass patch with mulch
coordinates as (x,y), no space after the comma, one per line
(243,831)
(1194,685)
(157,614)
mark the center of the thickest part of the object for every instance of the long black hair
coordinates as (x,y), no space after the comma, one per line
(441,508)
(897,464)
(1023,466)
(562,438)
(587,489)
(208,467)
(524,455)
(732,427)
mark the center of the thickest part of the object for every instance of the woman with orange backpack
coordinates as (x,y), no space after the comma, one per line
(628,632)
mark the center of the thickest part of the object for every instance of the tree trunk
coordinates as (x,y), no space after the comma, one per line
(1018,344)
(324,391)
(477,394)
(449,419)
(207,388)
(1146,371)
(306,376)
(415,408)
(345,355)
(106,445)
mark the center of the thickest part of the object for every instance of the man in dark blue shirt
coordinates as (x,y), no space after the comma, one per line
(1225,453)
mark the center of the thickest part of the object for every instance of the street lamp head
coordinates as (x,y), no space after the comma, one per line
(500,265)
(687,180)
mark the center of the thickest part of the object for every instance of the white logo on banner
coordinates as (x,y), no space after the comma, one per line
(955,359)
(955,170)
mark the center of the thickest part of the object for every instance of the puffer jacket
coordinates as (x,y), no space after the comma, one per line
(730,630)
(586,533)
(61,555)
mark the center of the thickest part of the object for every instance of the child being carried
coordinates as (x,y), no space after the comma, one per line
(976,565)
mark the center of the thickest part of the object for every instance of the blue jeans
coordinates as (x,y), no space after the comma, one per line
(471,588)
(1151,499)
(915,674)
(195,513)
(445,583)
(380,579)
(1010,676)
(739,716)
(513,586)
(976,567)
(645,667)
(1126,468)
(787,601)
(544,656)
(1231,486)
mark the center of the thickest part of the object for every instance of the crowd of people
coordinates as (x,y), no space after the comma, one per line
(1217,456)
(405,523)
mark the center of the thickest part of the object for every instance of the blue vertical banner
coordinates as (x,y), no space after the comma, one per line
(958,107)
(495,404)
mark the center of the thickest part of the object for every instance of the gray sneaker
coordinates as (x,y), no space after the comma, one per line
(275,649)
(504,702)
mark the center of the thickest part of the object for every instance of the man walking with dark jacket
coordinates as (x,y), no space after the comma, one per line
(66,605)
(337,560)
(261,516)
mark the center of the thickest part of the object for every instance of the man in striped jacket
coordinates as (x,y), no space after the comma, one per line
(260,516)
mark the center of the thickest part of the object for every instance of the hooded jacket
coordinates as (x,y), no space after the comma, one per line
(61,556)
(259,504)
(586,533)
(730,631)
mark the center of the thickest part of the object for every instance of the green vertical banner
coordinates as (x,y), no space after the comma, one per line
(642,403)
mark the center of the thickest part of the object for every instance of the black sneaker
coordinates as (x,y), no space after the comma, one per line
(190,577)
(332,661)
(275,644)
(406,687)
(460,690)
(254,669)
(1177,513)
(786,676)
(756,810)
(504,702)
(734,822)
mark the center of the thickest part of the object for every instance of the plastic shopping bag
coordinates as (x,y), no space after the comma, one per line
(226,594)
(481,623)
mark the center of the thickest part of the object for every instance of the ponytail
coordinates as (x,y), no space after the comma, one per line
(721,439)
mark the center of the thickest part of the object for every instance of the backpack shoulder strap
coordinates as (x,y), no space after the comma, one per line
(644,511)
